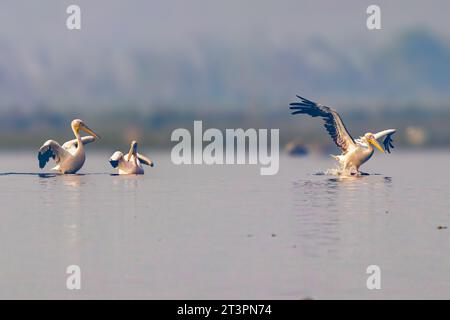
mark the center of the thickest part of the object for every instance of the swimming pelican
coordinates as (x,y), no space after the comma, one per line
(70,156)
(131,163)
(354,152)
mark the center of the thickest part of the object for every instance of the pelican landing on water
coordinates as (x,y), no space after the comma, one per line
(131,163)
(354,152)
(70,156)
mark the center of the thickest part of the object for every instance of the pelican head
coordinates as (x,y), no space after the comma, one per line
(370,138)
(78,125)
(133,149)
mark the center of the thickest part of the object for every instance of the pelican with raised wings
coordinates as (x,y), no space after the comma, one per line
(132,162)
(70,156)
(355,152)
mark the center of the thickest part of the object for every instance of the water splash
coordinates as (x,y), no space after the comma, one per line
(341,172)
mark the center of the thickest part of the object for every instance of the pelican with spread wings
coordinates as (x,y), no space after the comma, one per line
(132,162)
(354,152)
(70,156)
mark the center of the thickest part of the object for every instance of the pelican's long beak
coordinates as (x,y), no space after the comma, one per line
(376,144)
(133,149)
(86,129)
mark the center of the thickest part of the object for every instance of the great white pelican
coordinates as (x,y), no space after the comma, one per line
(354,152)
(70,156)
(131,163)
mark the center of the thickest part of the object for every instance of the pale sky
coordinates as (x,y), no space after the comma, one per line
(171,23)
(229,51)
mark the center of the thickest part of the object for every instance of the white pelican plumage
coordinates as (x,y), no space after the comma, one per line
(70,156)
(131,163)
(354,152)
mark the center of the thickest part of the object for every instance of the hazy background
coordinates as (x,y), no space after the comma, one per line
(139,69)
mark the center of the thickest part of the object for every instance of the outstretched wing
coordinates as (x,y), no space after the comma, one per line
(145,160)
(73,144)
(387,142)
(333,122)
(50,149)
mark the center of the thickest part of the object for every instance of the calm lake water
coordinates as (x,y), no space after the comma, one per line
(192,232)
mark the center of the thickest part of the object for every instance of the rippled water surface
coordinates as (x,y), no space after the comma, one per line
(225,231)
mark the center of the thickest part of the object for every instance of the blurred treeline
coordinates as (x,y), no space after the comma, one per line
(418,127)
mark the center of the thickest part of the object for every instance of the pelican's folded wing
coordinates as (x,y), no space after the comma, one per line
(74,143)
(50,149)
(115,159)
(387,142)
(143,159)
(333,122)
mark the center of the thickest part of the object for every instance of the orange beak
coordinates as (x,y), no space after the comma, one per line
(376,144)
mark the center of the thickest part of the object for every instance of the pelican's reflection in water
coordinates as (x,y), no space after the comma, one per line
(128,184)
(62,197)
(67,187)
(322,204)
(127,190)
(93,213)
(73,181)
(74,214)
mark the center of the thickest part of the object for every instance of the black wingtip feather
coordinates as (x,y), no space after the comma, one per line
(114,163)
(387,142)
(304,99)
(44,157)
